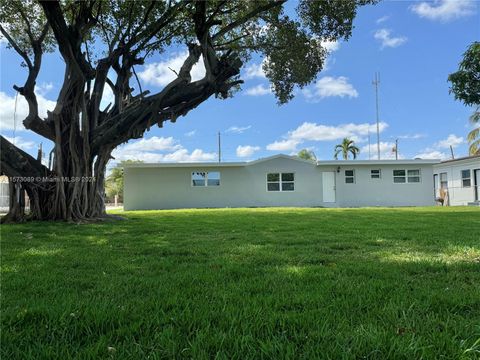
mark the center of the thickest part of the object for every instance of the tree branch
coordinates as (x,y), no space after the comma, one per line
(248,16)
(71,51)
(22,53)
(16,162)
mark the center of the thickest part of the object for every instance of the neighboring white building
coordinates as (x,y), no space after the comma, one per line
(461,178)
(279,180)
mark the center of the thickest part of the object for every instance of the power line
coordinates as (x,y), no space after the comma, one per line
(219,148)
(375,83)
(14,118)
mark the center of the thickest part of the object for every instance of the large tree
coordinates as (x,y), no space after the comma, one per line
(101,42)
(466,88)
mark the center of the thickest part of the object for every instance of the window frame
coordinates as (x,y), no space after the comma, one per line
(379,174)
(463,179)
(349,176)
(280,182)
(440,180)
(206,179)
(407,176)
(419,176)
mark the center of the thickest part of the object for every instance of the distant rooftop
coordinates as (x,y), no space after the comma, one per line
(462,158)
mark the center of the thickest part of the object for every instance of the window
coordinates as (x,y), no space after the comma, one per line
(205,178)
(198,178)
(413,176)
(406,176)
(280,182)
(213,178)
(376,174)
(399,176)
(288,182)
(349,176)
(443,181)
(466,178)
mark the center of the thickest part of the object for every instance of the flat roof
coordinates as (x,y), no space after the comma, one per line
(212,164)
(379,162)
(185,164)
(464,158)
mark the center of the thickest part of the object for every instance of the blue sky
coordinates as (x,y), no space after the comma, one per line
(413,45)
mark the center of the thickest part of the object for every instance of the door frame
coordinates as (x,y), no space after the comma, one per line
(334,187)
(476,184)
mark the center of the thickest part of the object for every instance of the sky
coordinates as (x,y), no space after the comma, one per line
(413,45)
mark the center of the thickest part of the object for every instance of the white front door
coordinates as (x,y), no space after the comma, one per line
(328,179)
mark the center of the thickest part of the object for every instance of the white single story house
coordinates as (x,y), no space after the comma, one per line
(279,180)
(460,178)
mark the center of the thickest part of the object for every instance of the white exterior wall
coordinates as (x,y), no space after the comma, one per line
(240,186)
(384,192)
(169,187)
(458,195)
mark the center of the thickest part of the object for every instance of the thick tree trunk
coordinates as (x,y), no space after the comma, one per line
(72,190)
(70,198)
(83,135)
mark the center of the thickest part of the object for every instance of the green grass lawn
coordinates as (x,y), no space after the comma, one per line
(245,284)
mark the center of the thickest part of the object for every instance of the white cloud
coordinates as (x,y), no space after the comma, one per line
(451,140)
(158,149)
(246,150)
(152,144)
(284,145)
(444,10)
(21,142)
(238,129)
(258,90)
(382,19)
(433,154)
(329,86)
(183,155)
(161,74)
(7,106)
(330,46)
(411,136)
(191,133)
(436,152)
(107,97)
(387,151)
(384,35)
(318,132)
(43,88)
(254,71)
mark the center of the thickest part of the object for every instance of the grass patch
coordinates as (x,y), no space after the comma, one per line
(245,284)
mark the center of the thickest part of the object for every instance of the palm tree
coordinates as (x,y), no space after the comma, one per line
(347,146)
(306,154)
(473,136)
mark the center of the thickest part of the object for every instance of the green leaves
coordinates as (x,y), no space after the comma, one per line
(466,88)
(466,81)
(307,155)
(25,23)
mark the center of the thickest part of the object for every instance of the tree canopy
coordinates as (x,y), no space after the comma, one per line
(101,43)
(307,155)
(466,88)
(345,148)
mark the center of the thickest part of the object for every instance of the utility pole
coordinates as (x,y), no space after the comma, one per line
(451,150)
(396,149)
(369,151)
(375,83)
(219,148)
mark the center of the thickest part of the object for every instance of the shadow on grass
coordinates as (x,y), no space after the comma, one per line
(245,284)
